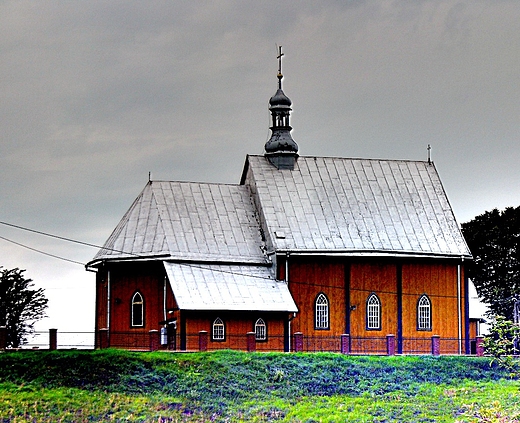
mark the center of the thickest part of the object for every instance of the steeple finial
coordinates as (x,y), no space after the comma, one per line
(281,150)
(280,75)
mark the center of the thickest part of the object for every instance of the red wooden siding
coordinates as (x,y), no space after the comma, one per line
(237,325)
(378,278)
(307,279)
(439,282)
(336,278)
(125,281)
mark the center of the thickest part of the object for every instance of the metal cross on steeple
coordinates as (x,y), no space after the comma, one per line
(280,76)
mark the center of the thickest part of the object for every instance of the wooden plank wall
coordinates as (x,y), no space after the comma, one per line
(101,300)
(306,281)
(337,278)
(237,325)
(365,279)
(124,282)
(439,282)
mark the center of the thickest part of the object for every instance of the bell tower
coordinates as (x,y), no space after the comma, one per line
(281,150)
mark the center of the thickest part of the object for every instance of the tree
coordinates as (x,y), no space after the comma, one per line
(21,306)
(494,241)
(501,343)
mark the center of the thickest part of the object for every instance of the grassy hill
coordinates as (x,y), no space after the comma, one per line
(113,385)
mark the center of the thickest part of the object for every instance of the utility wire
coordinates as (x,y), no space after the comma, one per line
(66,239)
(205,267)
(50,235)
(41,252)
(192,265)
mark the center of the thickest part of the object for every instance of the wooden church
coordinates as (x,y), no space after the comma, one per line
(314,246)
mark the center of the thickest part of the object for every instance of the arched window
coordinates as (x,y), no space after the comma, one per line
(373,312)
(137,310)
(260,330)
(321,312)
(424,313)
(218,331)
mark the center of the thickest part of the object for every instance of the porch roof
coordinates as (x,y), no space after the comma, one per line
(228,287)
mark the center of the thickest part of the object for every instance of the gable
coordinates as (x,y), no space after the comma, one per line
(354,206)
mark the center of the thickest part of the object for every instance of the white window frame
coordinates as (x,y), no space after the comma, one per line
(321,312)
(137,300)
(373,318)
(260,330)
(218,330)
(424,313)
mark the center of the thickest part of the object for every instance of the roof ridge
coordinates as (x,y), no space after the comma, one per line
(194,183)
(353,158)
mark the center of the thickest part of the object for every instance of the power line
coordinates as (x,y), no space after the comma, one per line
(41,252)
(192,265)
(62,238)
(49,235)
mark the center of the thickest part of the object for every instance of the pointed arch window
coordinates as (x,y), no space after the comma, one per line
(373,312)
(321,312)
(137,310)
(260,330)
(424,313)
(218,330)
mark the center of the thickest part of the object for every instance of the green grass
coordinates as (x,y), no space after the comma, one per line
(113,385)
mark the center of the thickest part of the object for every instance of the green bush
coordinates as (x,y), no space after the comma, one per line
(501,342)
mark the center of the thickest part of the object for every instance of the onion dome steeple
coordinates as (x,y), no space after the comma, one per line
(281,150)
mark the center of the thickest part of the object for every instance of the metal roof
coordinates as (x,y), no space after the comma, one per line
(228,287)
(354,206)
(214,239)
(188,221)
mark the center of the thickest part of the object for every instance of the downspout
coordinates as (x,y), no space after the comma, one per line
(287,283)
(287,268)
(459,306)
(399,277)
(289,331)
(292,316)
(108,304)
(164,302)
(467,346)
(164,329)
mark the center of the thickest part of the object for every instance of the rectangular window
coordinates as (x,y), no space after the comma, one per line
(137,315)
(218,333)
(373,317)
(322,316)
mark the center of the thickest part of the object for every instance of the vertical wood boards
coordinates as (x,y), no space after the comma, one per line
(346,282)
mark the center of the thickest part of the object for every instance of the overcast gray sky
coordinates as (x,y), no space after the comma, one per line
(96,94)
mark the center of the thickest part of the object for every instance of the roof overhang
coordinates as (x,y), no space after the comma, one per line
(96,263)
(370,253)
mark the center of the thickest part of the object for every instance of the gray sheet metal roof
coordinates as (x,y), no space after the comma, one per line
(355,205)
(188,221)
(228,287)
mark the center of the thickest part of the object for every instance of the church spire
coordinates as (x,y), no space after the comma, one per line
(281,150)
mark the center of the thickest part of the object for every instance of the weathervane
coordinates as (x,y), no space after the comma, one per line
(280,76)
